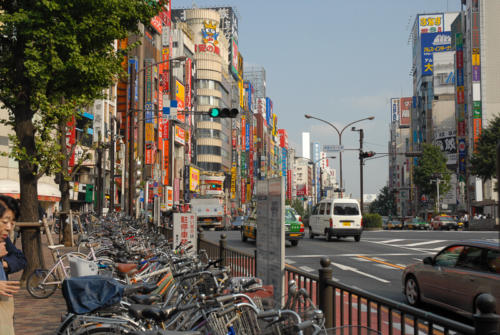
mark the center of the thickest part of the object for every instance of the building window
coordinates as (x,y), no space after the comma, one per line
(209,166)
(208,150)
(208,100)
(210,133)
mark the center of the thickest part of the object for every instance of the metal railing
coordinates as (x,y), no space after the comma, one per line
(344,305)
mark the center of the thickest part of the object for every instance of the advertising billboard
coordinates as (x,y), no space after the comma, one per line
(446,140)
(269,111)
(430,23)
(405,110)
(180,135)
(188,103)
(234,59)
(181,100)
(431,43)
(194,179)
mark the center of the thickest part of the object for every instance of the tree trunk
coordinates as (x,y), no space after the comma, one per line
(64,188)
(31,239)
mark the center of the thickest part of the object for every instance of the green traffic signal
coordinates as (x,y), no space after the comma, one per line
(214,112)
(223,113)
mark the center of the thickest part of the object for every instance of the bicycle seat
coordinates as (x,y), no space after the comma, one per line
(57,246)
(145,299)
(92,245)
(166,332)
(126,268)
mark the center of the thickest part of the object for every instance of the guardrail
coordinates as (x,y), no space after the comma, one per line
(345,305)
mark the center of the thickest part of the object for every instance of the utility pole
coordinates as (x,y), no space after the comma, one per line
(112,167)
(437,181)
(99,182)
(131,160)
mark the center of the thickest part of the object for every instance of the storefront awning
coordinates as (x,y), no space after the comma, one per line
(46,192)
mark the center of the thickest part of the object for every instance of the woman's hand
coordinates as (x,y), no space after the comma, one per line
(8,288)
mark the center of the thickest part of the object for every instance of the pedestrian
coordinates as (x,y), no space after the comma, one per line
(12,260)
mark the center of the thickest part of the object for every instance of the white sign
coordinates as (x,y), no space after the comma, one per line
(185,230)
(271,234)
(333,148)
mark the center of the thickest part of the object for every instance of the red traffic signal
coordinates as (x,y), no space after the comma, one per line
(366,154)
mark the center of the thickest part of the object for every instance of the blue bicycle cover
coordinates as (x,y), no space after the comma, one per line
(89,293)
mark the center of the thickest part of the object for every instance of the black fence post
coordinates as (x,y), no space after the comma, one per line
(486,321)
(325,291)
(222,248)
(200,237)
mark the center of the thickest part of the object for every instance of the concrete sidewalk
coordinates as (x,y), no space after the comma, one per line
(38,316)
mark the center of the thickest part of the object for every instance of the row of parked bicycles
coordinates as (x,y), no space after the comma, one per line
(126,278)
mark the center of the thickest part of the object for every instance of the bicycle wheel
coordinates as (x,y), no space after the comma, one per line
(104,329)
(36,284)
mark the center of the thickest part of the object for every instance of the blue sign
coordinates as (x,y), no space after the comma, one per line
(269,111)
(247,136)
(431,43)
(460,77)
(249,94)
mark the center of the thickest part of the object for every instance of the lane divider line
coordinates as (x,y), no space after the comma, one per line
(381,262)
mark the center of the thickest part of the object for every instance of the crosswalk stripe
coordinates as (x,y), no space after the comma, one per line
(422,243)
(386,266)
(390,241)
(306,268)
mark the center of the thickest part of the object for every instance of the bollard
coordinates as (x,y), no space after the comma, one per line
(255,263)
(486,321)
(325,291)
(222,248)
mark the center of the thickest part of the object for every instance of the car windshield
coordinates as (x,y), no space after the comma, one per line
(290,215)
(345,209)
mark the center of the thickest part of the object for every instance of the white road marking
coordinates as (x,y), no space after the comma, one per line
(422,243)
(350,268)
(379,259)
(306,268)
(290,261)
(353,255)
(402,265)
(359,259)
(386,266)
(390,241)
(418,259)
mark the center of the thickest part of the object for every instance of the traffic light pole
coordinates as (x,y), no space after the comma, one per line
(361,163)
(131,160)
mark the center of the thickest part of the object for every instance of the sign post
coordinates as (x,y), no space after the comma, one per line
(271,234)
(185,231)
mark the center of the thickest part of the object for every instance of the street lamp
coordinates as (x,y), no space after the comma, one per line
(131,139)
(307,116)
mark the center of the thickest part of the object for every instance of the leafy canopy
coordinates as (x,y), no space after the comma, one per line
(483,160)
(385,203)
(432,165)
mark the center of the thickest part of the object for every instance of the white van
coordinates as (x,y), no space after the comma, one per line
(336,217)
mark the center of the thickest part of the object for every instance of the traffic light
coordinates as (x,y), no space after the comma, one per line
(366,154)
(223,112)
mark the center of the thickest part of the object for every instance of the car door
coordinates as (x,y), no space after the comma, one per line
(322,218)
(464,279)
(432,279)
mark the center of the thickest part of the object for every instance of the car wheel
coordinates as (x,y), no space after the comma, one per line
(311,234)
(412,292)
(294,243)
(357,238)
(329,237)
(243,237)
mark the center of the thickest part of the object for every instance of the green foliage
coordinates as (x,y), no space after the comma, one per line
(432,163)
(57,56)
(483,161)
(372,220)
(385,204)
(299,207)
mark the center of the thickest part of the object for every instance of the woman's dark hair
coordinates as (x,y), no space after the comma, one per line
(11,204)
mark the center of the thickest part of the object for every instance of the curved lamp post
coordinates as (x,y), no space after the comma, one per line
(307,116)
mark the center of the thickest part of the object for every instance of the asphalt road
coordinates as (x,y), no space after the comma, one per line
(375,263)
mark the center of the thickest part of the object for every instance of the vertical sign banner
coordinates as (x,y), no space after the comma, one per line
(271,238)
(166,145)
(234,59)
(185,230)
(188,82)
(405,106)
(148,107)
(247,136)
(431,43)
(395,109)
(234,174)
(243,130)
(70,140)
(180,97)
(194,179)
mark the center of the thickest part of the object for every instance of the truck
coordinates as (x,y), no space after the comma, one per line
(209,212)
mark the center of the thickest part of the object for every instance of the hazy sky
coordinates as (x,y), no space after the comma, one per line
(337,60)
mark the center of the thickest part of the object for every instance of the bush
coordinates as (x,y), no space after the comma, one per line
(372,221)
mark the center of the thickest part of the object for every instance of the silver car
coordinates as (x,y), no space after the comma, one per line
(455,277)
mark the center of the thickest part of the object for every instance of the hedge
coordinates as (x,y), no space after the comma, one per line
(372,221)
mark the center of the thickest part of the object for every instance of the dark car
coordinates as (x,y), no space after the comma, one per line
(444,222)
(238,222)
(455,277)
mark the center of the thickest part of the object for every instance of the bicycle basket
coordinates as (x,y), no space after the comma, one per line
(81,267)
(351,330)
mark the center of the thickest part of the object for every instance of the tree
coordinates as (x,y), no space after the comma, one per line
(432,166)
(56,56)
(385,203)
(483,160)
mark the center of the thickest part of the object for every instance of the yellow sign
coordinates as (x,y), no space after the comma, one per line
(194,179)
(180,96)
(150,132)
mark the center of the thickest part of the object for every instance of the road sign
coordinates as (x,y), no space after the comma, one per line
(333,148)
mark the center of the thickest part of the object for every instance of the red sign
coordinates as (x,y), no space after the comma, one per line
(461,129)
(460,59)
(289,184)
(460,95)
(243,137)
(156,23)
(187,93)
(405,108)
(207,48)
(70,140)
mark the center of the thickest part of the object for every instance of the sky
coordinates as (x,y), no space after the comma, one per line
(340,61)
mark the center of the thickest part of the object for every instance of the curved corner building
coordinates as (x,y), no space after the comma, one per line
(211,56)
